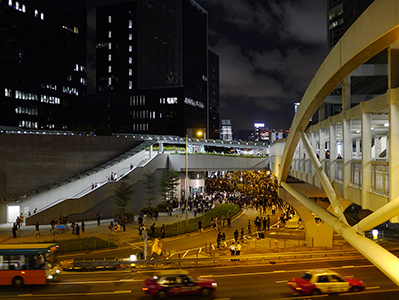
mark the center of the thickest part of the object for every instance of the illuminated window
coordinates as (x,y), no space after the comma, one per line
(130,48)
(130,84)
(36,13)
(109,46)
(17,5)
(130,60)
(109,34)
(130,36)
(130,23)
(7,92)
(109,81)
(23,8)
(109,69)
(9,2)
(42,16)
(109,57)
(109,19)
(130,72)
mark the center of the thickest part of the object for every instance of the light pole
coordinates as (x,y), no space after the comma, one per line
(186,183)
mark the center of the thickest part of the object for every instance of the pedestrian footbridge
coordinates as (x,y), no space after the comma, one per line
(352,156)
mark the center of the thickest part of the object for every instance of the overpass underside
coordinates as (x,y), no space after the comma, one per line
(352,156)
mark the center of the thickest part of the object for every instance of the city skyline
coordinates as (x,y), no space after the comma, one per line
(269,52)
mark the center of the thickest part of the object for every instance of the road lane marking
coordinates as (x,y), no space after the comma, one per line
(76,294)
(279,271)
(372,287)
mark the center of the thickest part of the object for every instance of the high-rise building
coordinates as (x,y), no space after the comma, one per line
(367,81)
(152,67)
(42,63)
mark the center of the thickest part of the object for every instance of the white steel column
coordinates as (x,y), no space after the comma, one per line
(322,139)
(358,147)
(381,258)
(347,155)
(393,94)
(333,151)
(323,178)
(377,146)
(366,157)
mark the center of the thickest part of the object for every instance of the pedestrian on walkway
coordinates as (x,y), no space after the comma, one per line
(98,217)
(242,235)
(238,250)
(152,231)
(83,227)
(37,231)
(200,226)
(52,223)
(232,249)
(229,221)
(163,231)
(77,230)
(264,223)
(14,230)
(268,222)
(236,235)
(218,239)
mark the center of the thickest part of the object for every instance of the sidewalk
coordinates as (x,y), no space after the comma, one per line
(27,233)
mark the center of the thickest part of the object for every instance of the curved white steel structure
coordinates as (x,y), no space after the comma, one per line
(360,177)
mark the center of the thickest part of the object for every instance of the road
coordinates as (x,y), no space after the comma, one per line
(185,245)
(236,282)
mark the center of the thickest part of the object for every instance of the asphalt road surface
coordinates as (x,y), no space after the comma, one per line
(234,282)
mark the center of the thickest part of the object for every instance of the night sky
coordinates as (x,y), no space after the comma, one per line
(268,51)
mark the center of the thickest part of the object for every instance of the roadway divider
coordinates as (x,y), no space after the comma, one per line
(267,258)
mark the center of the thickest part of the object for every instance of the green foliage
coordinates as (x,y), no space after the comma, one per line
(103,129)
(168,183)
(149,187)
(123,193)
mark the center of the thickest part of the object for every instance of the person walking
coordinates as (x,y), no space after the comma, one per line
(83,227)
(152,231)
(77,230)
(218,239)
(236,235)
(238,249)
(242,234)
(268,222)
(14,230)
(264,223)
(37,231)
(163,231)
(200,226)
(232,249)
(98,217)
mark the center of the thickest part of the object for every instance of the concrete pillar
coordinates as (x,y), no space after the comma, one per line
(160,147)
(366,157)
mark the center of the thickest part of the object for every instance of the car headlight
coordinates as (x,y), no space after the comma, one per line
(214,284)
(50,277)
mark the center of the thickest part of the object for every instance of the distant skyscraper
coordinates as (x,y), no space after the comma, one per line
(152,67)
(226,132)
(42,63)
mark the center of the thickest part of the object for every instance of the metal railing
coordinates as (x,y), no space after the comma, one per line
(380,177)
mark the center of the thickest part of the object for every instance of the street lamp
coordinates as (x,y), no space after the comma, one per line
(186,182)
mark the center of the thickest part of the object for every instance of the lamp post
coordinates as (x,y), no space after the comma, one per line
(186,183)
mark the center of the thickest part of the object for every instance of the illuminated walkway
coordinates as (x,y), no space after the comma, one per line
(366,135)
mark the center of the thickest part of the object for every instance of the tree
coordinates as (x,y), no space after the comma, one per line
(168,183)
(149,187)
(123,193)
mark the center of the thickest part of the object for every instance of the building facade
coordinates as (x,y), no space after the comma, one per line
(42,64)
(368,80)
(152,67)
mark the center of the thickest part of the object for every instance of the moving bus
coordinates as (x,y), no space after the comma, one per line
(28,264)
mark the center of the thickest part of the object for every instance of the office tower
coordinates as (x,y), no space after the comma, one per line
(42,63)
(368,80)
(152,66)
